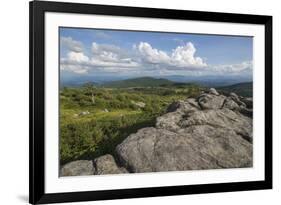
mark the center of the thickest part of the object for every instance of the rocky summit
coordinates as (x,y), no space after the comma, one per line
(211,131)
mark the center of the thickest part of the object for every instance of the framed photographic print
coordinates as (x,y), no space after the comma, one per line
(140,102)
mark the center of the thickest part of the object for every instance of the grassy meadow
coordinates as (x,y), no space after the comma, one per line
(94,119)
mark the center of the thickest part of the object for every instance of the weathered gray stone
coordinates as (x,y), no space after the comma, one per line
(234,95)
(213,91)
(182,105)
(107,165)
(248,102)
(193,103)
(236,98)
(175,112)
(223,118)
(78,168)
(169,121)
(247,112)
(230,104)
(209,101)
(204,147)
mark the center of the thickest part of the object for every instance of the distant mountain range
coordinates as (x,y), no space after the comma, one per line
(139,82)
(222,83)
(243,89)
(209,81)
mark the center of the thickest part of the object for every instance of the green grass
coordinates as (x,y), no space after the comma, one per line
(99,132)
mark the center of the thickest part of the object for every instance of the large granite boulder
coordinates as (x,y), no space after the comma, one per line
(204,147)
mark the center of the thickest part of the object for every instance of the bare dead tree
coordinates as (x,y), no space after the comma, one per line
(93,98)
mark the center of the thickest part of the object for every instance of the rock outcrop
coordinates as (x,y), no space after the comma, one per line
(210,132)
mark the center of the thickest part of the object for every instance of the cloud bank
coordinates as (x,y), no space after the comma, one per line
(142,58)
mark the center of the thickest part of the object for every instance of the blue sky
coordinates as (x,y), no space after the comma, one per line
(133,53)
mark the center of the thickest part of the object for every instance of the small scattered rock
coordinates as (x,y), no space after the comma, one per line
(139,104)
(84,113)
(107,165)
(248,102)
(78,168)
(213,91)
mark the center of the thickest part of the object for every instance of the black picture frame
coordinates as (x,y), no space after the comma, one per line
(37,10)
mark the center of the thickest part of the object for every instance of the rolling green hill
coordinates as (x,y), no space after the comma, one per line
(139,82)
(243,89)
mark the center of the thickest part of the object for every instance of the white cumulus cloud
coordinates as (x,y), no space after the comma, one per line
(105,55)
(107,58)
(77,57)
(152,55)
(70,44)
(182,57)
